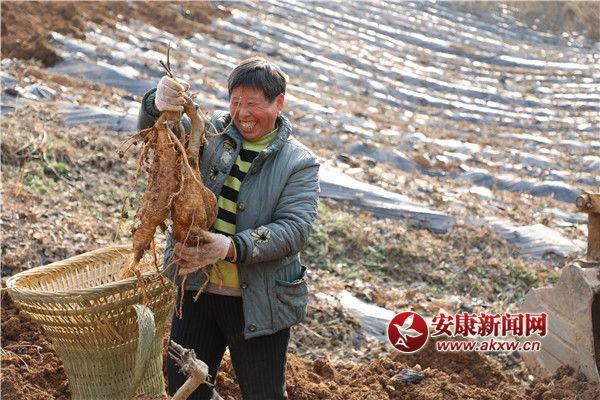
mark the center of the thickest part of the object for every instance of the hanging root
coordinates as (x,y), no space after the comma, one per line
(177,311)
(132,140)
(201,289)
(156,267)
(182,133)
(149,141)
(186,162)
(183,279)
(195,207)
(163,181)
(142,285)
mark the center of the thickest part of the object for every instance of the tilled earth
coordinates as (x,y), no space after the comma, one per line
(65,17)
(30,368)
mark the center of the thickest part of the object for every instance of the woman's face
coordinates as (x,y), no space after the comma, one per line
(253,115)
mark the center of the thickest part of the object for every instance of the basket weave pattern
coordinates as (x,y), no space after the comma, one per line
(89,318)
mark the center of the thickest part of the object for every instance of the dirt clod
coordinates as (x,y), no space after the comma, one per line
(324,369)
(565,384)
(26,26)
(30,368)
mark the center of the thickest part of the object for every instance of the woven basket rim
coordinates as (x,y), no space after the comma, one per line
(12,282)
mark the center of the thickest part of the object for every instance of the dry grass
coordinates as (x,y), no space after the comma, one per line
(392,258)
(62,189)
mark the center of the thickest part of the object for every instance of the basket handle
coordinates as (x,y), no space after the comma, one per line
(146,333)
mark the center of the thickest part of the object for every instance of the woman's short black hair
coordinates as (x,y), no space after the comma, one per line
(259,73)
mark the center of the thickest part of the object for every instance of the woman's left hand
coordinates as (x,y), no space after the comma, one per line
(194,258)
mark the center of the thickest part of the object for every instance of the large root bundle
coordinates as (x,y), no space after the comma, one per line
(174,185)
(163,180)
(163,165)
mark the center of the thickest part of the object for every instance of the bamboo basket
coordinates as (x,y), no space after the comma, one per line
(110,344)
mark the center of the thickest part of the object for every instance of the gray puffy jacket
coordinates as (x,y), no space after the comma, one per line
(277,204)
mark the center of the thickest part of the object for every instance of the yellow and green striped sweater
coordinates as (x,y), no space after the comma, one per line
(224,274)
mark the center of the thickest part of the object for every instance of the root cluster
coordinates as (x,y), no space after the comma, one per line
(174,186)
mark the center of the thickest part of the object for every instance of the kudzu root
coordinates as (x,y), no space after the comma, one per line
(194,208)
(174,187)
(164,179)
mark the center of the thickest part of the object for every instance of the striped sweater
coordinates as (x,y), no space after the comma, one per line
(224,274)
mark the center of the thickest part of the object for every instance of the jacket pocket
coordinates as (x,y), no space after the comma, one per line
(292,300)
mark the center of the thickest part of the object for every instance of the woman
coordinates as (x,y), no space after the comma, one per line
(267,186)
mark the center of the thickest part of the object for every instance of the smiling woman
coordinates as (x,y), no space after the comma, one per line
(266,184)
(253,115)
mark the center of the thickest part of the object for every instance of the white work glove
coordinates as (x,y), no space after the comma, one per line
(194,258)
(169,94)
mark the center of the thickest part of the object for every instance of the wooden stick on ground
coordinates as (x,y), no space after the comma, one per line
(195,369)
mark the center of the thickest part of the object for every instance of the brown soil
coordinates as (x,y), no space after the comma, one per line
(565,384)
(473,368)
(30,368)
(26,26)
(378,379)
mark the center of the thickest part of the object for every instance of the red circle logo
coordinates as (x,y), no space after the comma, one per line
(408,332)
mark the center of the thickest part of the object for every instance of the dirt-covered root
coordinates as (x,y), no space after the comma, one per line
(193,211)
(197,134)
(174,186)
(164,180)
(195,206)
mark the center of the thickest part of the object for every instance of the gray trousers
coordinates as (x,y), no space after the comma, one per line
(215,322)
